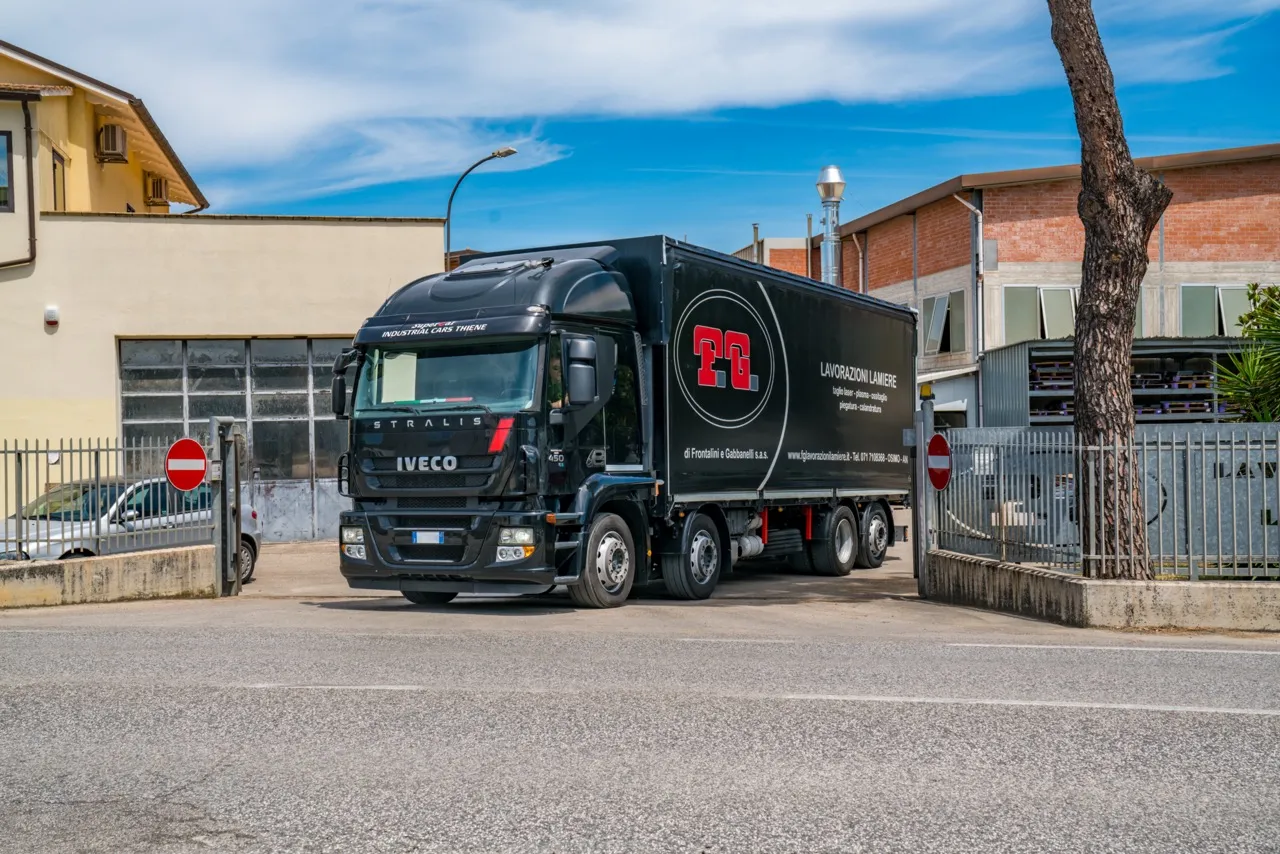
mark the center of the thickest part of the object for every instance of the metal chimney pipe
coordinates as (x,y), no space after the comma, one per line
(831,190)
(755,242)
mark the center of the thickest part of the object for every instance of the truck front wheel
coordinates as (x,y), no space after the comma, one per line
(694,571)
(835,549)
(608,566)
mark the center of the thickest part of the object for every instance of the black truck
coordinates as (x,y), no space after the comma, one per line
(607,415)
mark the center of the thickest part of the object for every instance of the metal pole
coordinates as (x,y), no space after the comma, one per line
(808,246)
(922,495)
(755,243)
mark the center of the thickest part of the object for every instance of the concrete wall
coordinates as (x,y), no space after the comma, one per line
(1222,605)
(161,574)
(139,276)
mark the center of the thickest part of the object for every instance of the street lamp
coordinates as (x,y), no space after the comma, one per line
(505,151)
(831,191)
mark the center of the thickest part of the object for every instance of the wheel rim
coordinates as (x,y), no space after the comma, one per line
(704,557)
(878,534)
(613,562)
(844,541)
(246,562)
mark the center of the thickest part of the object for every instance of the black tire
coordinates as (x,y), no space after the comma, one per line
(835,548)
(694,571)
(428,597)
(874,543)
(608,565)
(248,561)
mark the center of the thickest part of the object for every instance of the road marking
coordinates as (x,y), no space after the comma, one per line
(1206,650)
(821,698)
(732,640)
(1049,704)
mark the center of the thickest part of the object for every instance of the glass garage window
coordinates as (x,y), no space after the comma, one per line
(276,389)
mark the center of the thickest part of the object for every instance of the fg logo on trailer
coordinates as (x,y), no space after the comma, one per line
(724,358)
(712,345)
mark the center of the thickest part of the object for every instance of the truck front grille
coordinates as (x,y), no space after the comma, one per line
(441,554)
(450,480)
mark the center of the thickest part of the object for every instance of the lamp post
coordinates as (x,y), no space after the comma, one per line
(831,191)
(506,151)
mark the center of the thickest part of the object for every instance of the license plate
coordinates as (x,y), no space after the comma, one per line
(428,538)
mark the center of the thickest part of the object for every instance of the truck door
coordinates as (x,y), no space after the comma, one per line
(587,440)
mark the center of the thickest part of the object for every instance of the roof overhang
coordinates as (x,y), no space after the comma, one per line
(154,151)
(1046,174)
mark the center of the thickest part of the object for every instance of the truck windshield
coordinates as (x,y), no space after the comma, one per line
(499,376)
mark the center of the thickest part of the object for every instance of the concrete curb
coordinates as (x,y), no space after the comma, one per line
(984,583)
(160,574)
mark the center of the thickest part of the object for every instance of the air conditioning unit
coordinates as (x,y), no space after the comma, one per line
(156,188)
(113,144)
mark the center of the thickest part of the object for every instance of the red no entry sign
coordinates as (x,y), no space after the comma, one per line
(939,461)
(185,464)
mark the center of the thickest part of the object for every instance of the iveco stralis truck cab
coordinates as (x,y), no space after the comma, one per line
(599,416)
(483,401)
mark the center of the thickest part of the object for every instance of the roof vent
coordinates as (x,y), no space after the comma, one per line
(113,144)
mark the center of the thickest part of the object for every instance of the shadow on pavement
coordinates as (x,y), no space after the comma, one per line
(757,584)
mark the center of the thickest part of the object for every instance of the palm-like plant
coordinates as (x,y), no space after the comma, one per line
(1250,382)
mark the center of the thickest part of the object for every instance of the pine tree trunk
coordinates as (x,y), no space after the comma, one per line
(1120,205)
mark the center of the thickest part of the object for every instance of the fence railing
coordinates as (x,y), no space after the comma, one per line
(60,499)
(1208,498)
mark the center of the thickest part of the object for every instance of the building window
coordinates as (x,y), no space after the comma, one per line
(6,172)
(279,390)
(1209,311)
(1033,313)
(1036,313)
(59,182)
(944,324)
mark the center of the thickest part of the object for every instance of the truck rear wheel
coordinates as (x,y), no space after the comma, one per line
(875,537)
(835,549)
(608,565)
(694,571)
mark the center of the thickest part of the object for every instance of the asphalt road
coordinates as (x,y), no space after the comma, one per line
(849,717)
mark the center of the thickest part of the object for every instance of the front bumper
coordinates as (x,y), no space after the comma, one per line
(465,562)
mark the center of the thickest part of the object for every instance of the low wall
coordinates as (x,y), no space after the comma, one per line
(984,583)
(160,574)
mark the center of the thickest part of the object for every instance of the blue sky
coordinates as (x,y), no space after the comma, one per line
(690,117)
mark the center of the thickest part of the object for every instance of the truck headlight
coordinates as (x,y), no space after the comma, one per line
(354,552)
(352,534)
(515,537)
(507,554)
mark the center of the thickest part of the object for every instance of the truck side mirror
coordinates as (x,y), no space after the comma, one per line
(582,371)
(339,396)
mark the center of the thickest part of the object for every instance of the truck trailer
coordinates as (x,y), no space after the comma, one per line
(609,415)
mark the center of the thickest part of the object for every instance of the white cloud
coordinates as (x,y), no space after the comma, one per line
(323,97)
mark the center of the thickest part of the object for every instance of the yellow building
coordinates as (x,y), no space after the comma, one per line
(122,320)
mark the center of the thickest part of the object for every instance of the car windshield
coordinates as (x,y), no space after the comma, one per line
(500,376)
(72,502)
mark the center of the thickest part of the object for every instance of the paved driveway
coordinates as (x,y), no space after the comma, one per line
(786,715)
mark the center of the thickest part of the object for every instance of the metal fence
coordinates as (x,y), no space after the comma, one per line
(92,497)
(1209,496)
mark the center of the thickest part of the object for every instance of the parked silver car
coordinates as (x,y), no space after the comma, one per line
(87,518)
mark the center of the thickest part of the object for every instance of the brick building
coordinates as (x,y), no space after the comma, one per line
(781,253)
(994,259)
